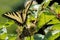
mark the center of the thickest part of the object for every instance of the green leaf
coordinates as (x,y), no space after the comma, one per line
(43,18)
(12,29)
(53,37)
(30,18)
(2,21)
(54,21)
(49,36)
(38,37)
(56,7)
(29,38)
(56,27)
(8,23)
(46,3)
(3,36)
(12,38)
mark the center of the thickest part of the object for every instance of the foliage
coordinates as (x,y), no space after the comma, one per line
(43,15)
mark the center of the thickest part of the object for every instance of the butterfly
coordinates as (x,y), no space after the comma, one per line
(20,16)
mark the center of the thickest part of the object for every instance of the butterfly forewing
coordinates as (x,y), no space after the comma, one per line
(25,11)
(14,16)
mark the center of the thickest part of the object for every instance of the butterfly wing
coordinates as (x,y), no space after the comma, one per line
(25,11)
(14,16)
(17,16)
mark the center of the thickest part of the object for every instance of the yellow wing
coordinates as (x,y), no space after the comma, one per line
(17,16)
(14,16)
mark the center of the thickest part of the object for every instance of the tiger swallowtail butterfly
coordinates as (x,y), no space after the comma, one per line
(20,16)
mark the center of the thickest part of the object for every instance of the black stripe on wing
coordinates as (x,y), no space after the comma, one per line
(16,16)
(20,16)
(25,11)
